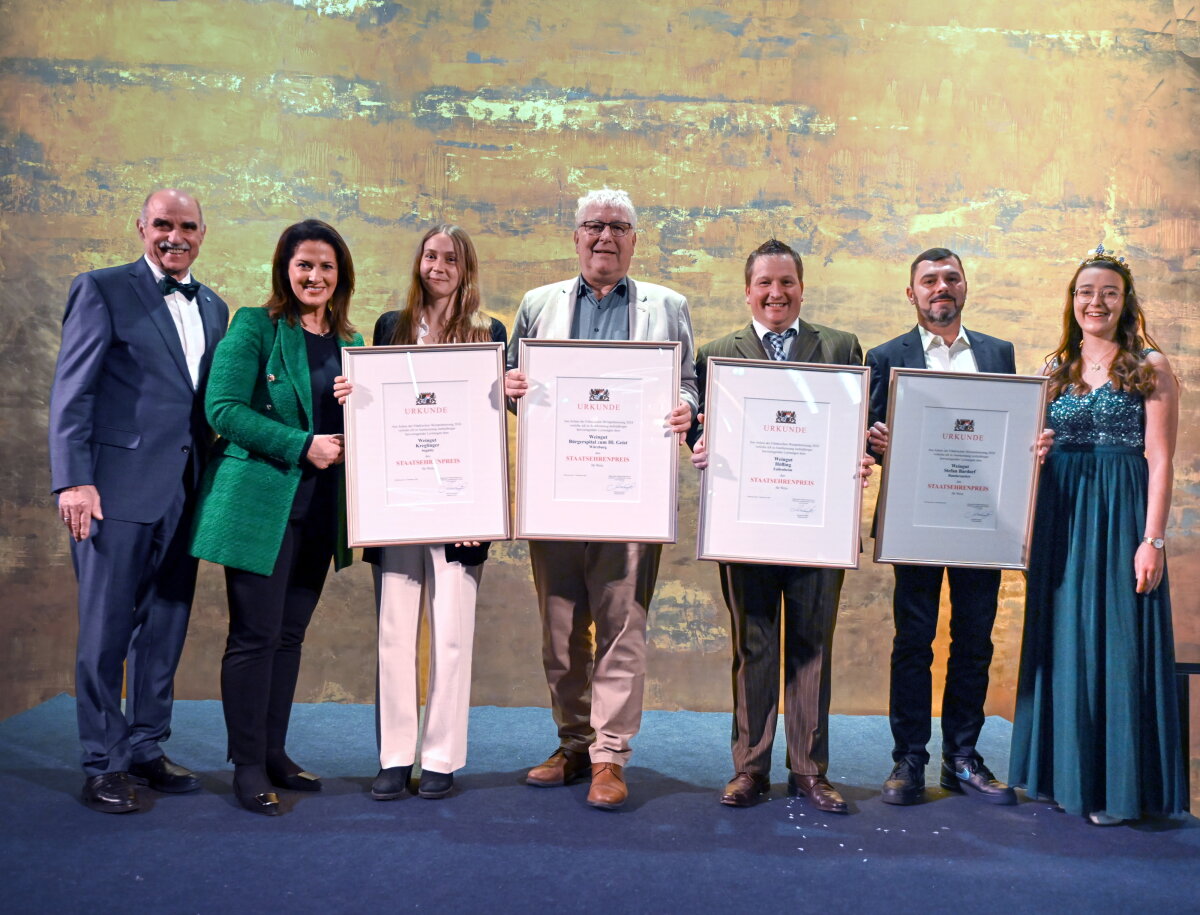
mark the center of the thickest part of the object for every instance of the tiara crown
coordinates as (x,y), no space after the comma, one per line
(1103,256)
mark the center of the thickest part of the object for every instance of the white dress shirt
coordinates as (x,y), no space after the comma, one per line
(957,357)
(186,315)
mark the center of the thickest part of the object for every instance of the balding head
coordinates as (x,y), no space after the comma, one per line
(171,228)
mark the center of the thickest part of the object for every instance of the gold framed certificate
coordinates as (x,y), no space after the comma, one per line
(426,444)
(961,470)
(785,442)
(596,459)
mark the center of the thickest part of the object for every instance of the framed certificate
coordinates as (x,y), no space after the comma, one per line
(960,474)
(785,443)
(596,459)
(426,444)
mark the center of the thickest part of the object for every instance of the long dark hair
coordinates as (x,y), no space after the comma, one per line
(1129,370)
(465,323)
(283,302)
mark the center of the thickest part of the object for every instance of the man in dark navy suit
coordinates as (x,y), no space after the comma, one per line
(938,290)
(128,440)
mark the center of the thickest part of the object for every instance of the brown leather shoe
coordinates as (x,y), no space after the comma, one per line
(563,767)
(608,791)
(819,792)
(744,790)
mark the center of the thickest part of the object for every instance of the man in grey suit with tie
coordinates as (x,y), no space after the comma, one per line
(938,290)
(128,440)
(759,595)
(596,689)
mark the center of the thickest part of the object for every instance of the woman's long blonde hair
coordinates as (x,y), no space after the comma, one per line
(464,323)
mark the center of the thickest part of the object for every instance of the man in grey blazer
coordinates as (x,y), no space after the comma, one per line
(596,691)
(937,289)
(759,595)
(128,440)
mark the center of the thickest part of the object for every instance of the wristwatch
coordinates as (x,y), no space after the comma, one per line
(1156,542)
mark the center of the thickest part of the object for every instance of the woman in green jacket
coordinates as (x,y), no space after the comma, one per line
(272,502)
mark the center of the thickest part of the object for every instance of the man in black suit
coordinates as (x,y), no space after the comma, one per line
(759,595)
(128,440)
(938,290)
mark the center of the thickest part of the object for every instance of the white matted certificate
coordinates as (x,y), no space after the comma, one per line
(426,444)
(785,443)
(961,469)
(596,459)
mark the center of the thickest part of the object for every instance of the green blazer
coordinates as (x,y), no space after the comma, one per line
(259,401)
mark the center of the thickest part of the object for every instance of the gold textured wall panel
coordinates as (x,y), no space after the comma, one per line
(1018,133)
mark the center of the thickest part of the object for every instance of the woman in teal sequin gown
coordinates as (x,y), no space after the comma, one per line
(1097,725)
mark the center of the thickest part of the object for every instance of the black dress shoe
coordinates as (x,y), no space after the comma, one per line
(253,790)
(110,792)
(434,785)
(284,773)
(906,784)
(163,775)
(745,790)
(819,792)
(968,775)
(266,803)
(391,783)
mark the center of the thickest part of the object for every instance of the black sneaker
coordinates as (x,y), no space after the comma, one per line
(906,784)
(968,775)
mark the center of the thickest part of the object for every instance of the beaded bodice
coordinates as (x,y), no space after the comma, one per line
(1103,416)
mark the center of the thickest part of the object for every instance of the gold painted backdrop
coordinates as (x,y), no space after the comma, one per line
(1019,133)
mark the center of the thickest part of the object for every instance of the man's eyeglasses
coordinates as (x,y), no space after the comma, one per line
(596,229)
(1108,296)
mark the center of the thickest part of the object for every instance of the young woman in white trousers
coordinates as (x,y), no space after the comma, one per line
(442,307)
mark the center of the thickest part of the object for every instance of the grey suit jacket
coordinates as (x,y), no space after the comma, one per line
(655,313)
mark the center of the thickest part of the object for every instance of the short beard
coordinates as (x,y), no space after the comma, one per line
(935,319)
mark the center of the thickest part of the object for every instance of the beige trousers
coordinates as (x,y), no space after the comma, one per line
(450,589)
(595,686)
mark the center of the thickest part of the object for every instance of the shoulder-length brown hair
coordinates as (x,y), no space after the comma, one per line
(1129,370)
(283,302)
(465,323)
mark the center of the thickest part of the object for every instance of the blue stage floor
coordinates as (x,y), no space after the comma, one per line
(500,846)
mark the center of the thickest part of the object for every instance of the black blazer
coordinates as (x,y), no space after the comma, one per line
(467,555)
(991,355)
(387,324)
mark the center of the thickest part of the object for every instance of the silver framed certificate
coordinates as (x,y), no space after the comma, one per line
(426,444)
(596,459)
(961,470)
(785,442)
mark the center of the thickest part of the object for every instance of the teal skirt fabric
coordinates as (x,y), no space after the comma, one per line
(1097,722)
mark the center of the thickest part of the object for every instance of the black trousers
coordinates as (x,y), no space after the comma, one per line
(268,616)
(973,594)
